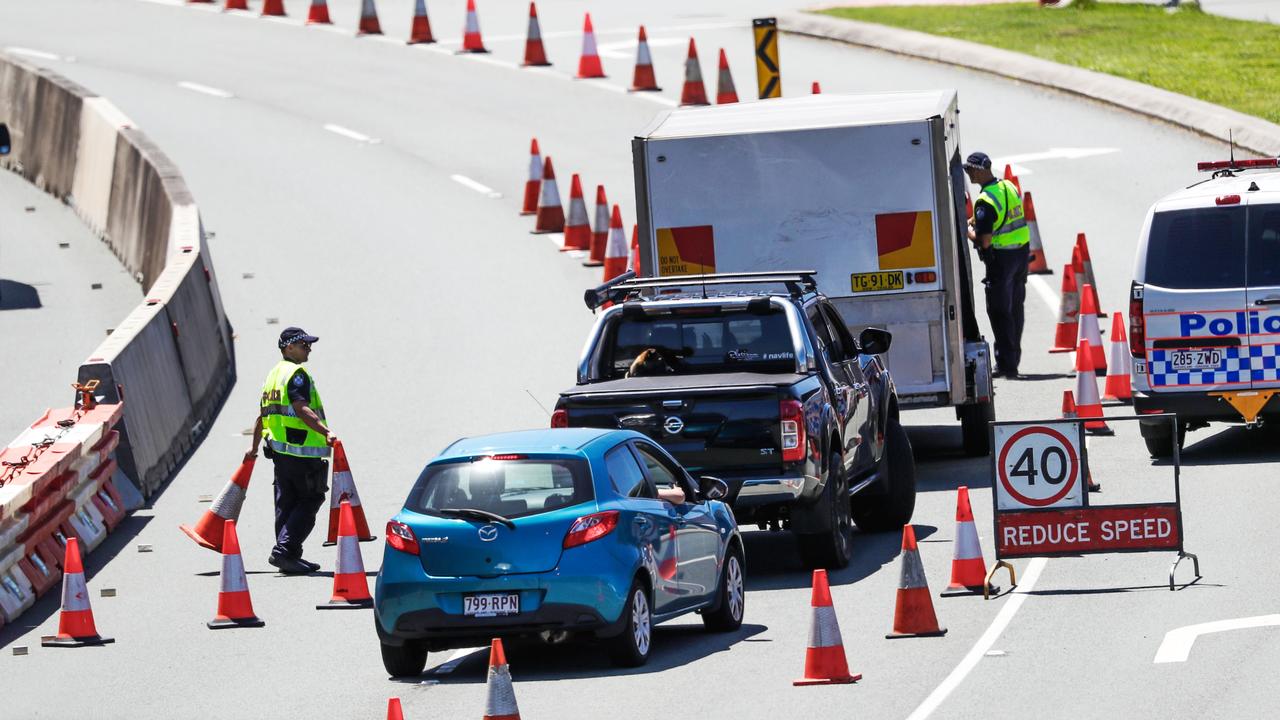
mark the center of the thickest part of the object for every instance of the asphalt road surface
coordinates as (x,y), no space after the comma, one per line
(440,316)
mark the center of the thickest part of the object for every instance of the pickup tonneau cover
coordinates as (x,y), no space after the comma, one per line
(717,381)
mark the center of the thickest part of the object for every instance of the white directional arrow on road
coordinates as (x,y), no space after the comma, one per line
(1177,642)
(1051,154)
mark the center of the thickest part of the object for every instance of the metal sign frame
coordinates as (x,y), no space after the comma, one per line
(1085,504)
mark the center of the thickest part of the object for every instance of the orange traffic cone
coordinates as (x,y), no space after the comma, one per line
(589,64)
(1089,330)
(1064,336)
(235,609)
(318,14)
(535,53)
(615,251)
(1117,386)
(534,183)
(500,703)
(208,530)
(725,91)
(824,659)
(635,250)
(420,30)
(350,586)
(1008,175)
(643,80)
(599,231)
(694,92)
(368,19)
(817,89)
(913,615)
(1069,405)
(471,40)
(968,569)
(550,215)
(1036,264)
(75,624)
(577,230)
(233,5)
(1087,264)
(344,490)
(394,711)
(273,8)
(1087,403)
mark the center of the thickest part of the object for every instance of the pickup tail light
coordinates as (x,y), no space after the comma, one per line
(400,537)
(560,418)
(1137,324)
(590,527)
(793,436)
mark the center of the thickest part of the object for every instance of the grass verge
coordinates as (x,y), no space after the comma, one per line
(1234,63)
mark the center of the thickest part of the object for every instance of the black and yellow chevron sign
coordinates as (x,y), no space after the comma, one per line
(768,71)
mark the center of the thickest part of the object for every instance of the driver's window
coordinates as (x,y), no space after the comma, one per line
(626,475)
(840,332)
(659,472)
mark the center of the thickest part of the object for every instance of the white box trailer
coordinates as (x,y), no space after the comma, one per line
(866,189)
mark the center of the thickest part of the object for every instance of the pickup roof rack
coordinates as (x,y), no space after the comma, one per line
(627,285)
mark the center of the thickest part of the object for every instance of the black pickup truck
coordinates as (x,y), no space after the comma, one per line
(763,388)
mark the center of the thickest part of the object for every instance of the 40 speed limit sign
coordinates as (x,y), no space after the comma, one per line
(1039,465)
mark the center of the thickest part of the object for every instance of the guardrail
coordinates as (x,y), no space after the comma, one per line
(171,359)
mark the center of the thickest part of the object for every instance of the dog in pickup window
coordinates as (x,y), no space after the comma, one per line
(650,362)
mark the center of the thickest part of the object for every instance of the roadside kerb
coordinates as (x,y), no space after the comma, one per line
(1250,133)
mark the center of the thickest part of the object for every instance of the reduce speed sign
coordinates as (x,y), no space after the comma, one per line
(1038,465)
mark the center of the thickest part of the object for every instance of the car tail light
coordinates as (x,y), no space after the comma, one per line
(1137,324)
(924,277)
(590,527)
(560,418)
(793,439)
(1228,200)
(401,537)
(508,456)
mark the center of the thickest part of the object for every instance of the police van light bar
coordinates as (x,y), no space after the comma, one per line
(1238,164)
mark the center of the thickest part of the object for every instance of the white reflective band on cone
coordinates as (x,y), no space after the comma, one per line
(233,579)
(502,696)
(75,596)
(550,193)
(642,55)
(824,631)
(349,560)
(912,571)
(535,33)
(535,167)
(473,23)
(589,44)
(967,547)
(344,488)
(230,500)
(692,71)
(577,212)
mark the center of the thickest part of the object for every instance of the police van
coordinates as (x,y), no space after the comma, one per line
(1204,308)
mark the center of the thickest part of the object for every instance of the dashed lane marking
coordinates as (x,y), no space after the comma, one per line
(1177,643)
(205,89)
(980,648)
(485,190)
(352,134)
(1045,292)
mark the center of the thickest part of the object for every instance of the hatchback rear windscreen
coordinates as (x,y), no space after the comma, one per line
(734,341)
(510,488)
(1197,248)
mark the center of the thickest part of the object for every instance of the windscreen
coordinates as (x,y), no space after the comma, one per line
(717,342)
(510,488)
(1198,248)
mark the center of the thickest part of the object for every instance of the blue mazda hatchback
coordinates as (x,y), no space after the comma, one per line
(552,534)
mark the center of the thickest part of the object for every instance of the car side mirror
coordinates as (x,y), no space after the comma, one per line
(712,488)
(4,139)
(874,341)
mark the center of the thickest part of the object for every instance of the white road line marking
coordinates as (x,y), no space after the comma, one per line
(455,660)
(197,87)
(980,648)
(557,239)
(489,60)
(1045,292)
(352,134)
(482,189)
(28,52)
(1051,154)
(1177,643)
(655,97)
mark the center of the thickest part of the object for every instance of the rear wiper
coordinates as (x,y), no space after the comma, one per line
(477,514)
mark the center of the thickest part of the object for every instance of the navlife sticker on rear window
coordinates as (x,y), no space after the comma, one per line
(686,250)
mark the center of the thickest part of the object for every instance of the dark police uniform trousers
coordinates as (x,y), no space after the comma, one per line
(1006,290)
(301,484)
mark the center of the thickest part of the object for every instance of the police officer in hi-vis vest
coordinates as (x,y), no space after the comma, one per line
(291,417)
(1000,233)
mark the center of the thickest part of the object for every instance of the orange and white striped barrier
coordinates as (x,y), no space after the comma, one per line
(1036,262)
(643,80)
(207,532)
(1088,405)
(1089,330)
(420,29)
(577,229)
(500,694)
(726,93)
(318,13)
(534,184)
(599,230)
(76,627)
(344,490)
(589,64)
(1067,330)
(913,614)
(235,607)
(824,659)
(535,53)
(472,42)
(350,586)
(615,251)
(550,215)
(968,569)
(1120,366)
(368,19)
(695,91)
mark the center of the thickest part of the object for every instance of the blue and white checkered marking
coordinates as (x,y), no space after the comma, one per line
(1240,365)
